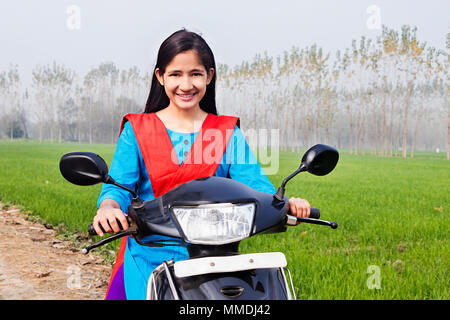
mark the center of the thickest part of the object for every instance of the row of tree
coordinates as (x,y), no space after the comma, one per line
(61,106)
(381,95)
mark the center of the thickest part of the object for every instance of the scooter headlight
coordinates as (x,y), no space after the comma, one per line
(217,223)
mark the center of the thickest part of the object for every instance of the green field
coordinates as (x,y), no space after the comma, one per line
(393,217)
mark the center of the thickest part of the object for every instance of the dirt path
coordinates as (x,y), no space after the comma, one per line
(35,265)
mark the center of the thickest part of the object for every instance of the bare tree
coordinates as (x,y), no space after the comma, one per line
(52,86)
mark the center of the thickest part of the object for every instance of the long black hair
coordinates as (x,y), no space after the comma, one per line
(181,41)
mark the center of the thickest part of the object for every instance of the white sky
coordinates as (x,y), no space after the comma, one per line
(129,32)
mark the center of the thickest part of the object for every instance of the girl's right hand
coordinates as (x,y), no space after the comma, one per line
(108,216)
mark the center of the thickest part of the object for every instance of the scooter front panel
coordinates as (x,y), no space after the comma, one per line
(257,284)
(239,262)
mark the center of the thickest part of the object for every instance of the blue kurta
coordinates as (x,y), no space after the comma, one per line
(128,168)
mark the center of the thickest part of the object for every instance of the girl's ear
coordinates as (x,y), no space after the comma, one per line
(159,77)
(210,75)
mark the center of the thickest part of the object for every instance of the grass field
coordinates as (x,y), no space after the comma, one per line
(393,215)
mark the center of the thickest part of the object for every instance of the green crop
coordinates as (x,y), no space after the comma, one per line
(393,215)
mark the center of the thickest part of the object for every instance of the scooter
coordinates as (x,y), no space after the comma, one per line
(211,216)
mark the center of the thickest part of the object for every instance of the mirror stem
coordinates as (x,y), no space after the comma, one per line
(137,202)
(280,192)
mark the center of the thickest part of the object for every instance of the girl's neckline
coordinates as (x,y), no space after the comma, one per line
(179,132)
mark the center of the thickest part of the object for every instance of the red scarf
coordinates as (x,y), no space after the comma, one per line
(159,155)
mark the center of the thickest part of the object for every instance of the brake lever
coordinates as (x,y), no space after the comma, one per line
(132,230)
(293,221)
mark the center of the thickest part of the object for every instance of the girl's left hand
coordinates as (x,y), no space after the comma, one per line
(299,207)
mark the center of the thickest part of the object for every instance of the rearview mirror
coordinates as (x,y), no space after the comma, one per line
(318,160)
(87,168)
(83,168)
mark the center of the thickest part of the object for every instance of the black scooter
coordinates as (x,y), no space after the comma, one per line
(211,216)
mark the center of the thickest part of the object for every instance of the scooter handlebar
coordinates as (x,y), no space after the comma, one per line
(313,218)
(92,231)
(314,213)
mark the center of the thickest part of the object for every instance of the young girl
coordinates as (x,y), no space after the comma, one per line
(156,152)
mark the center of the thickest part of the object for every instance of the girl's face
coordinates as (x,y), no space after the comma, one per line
(185,80)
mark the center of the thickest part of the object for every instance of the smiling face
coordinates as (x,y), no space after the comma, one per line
(185,80)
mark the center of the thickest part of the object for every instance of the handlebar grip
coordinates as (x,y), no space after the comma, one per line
(314,213)
(92,231)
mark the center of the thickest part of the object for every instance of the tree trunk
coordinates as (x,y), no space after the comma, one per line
(391,125)
(375,135)
(90,124)
(309,134)
(363,134)
(351,130)
(405,118)
(294,139)
(448,133)
(40,132)
(11,131)
(23,121)
(112,132)
(294,131)
(416,129)
(51,132)
(448,138)
(383,126)
(90,132)
(358,132)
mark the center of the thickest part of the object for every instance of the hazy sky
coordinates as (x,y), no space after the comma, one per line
(129,32)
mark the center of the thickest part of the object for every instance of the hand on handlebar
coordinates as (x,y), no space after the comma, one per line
(299,207)
(110,217)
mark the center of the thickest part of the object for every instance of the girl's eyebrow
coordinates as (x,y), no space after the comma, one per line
(180,71)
